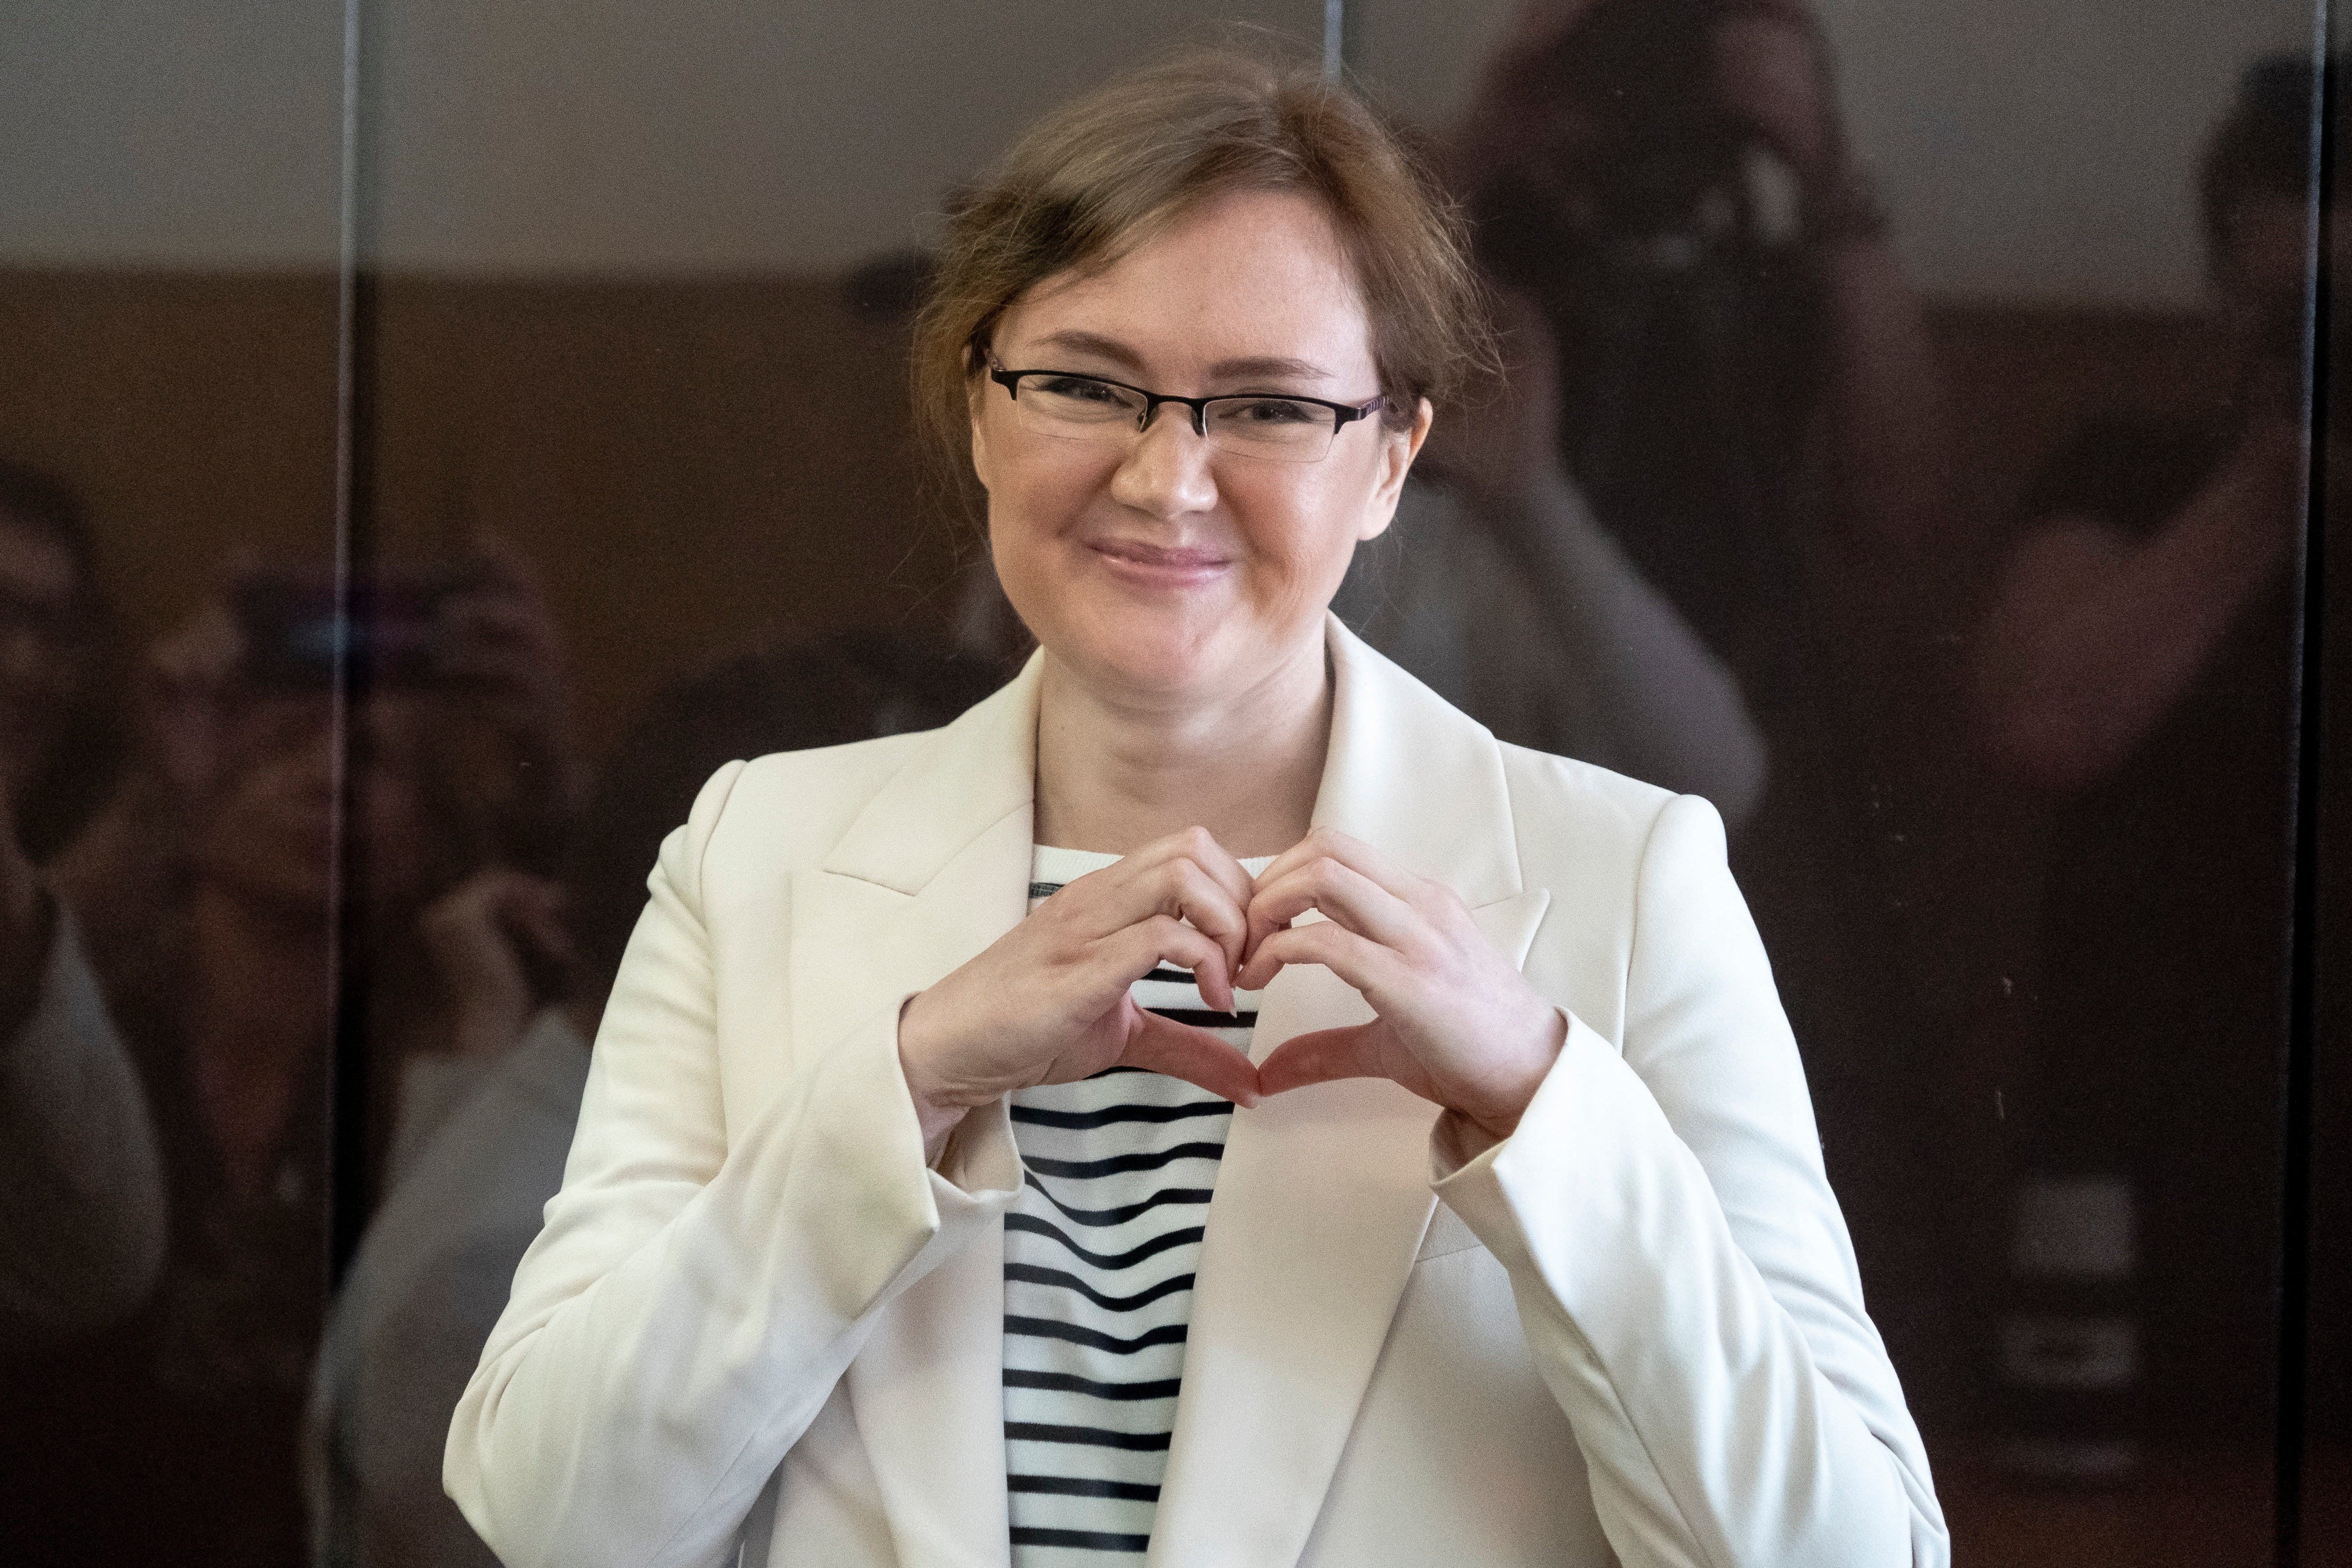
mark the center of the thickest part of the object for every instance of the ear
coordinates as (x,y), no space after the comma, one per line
(975,404)
(1398,449)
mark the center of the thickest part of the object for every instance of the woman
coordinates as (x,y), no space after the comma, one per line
(853,1238)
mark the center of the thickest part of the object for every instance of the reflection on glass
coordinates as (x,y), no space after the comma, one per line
(81,1196)
(1702,524)
(2137,671)
(466,1189)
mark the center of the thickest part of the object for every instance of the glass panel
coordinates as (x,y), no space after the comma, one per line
(2327,1321)
(640,314)
(169,321)
(1896,349)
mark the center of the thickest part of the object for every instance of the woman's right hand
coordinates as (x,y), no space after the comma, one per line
(1048,1001)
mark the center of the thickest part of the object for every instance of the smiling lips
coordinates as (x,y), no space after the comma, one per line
(1160,565)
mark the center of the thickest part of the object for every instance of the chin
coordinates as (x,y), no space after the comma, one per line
(1146,649)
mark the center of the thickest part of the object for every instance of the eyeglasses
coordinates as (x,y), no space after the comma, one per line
(1250,424)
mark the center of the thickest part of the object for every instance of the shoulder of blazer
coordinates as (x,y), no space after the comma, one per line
(784,810)
(1579,826)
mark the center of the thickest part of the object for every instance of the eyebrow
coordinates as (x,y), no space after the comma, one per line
(1272,367)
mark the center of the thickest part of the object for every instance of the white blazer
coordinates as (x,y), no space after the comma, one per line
(1633,1327)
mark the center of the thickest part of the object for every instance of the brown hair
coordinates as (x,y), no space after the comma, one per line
(1103,175)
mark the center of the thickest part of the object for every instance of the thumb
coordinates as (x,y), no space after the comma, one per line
(1180,1050)
(1320,1056)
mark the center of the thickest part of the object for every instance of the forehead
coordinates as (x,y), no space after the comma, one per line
(1257,275)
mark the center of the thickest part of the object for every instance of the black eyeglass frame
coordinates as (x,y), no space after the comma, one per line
(1343,414)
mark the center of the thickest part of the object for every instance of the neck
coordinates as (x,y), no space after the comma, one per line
(1116,771)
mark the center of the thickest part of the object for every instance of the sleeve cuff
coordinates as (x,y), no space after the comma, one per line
(1463,1156)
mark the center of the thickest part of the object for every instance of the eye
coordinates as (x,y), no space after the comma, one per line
(1273,410)
(1083,390)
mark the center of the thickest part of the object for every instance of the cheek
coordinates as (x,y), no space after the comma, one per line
(1045,496)
(1307,528)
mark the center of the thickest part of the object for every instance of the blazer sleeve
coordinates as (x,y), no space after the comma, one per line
(1683,1274)
(690,1302)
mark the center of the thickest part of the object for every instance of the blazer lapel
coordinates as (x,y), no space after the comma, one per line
(935,869)
(1324,1193)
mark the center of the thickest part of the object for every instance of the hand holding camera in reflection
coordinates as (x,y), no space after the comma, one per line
(453,754)
(501,949)
(2154,554)
(1747,393)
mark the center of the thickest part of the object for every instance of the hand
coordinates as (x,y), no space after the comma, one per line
(1048,1001)
(1458,1024)
(476,936)
(1771,74)
(497,634)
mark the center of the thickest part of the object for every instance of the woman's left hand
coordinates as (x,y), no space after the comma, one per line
(1457,1024)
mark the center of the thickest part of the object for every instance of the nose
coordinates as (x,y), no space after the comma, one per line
(1166,471)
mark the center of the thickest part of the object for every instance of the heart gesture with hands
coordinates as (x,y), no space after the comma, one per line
(1049,1001)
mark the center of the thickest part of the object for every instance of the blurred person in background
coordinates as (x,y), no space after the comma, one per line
(1746,393)
(2136,670)
(81,1197)
(1499,588)
(212,894)
(433,1270)
(1746,401)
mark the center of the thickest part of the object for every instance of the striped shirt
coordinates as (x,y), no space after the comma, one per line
(1100,1250)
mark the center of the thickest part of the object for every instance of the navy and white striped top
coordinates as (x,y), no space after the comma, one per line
(1098,1255)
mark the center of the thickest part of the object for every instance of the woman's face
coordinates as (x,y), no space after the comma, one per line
(1156,568)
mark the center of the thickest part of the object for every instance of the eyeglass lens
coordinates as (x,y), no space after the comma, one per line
(1080,408)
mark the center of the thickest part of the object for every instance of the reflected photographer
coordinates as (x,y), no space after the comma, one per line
(2137,671)
(215,901)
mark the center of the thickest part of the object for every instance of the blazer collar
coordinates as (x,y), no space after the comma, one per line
(970,776)
(1414,777)
(1405,771)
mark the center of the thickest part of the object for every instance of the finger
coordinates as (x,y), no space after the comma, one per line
(1343,894)
(1320,1056)
(1196,1056)
(1360,961)
(1175,887)
(1345,848)
(1209,904)
(1200,847)
(1163,939)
